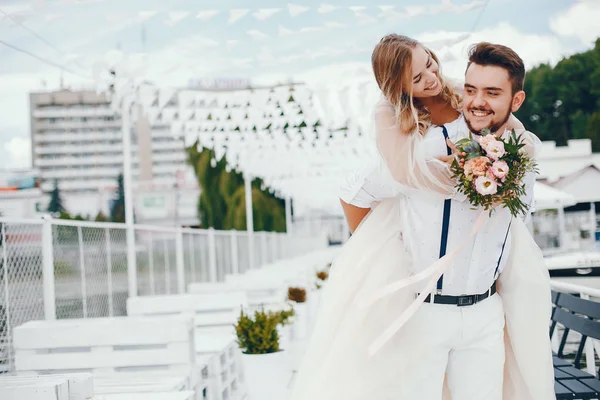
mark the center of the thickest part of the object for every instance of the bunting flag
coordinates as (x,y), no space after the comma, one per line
(53,17)
(207,15)
(144,15)
(296,10)
(334,24)
(257,35)
(284,31)
(386,9)
(265,13)
(357,9)
(364,19)
(326,8)
(175,17)
(231,44)
(308,29)
(236,14)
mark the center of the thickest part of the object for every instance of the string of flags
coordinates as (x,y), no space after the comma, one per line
(364,14)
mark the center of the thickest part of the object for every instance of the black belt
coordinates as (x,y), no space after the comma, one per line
(461,301)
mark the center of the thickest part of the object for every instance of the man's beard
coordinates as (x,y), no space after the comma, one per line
(493,128)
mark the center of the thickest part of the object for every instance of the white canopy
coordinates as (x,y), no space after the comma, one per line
(548,198)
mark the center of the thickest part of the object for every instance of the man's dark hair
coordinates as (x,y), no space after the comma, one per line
(485,53)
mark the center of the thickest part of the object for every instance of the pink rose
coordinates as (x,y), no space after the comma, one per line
(499,169)
(477,166)
(486,141)
(485,185)
(494,148)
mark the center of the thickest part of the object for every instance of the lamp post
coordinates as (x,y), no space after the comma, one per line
(127,102)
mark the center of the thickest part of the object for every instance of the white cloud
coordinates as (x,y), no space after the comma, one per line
(580,21)
(533,48)
(18,150)
(452,48)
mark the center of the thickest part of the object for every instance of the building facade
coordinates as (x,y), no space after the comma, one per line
(77,143)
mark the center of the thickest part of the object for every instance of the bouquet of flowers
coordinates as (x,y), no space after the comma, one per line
(490,172)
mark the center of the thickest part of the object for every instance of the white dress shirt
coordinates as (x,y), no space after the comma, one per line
(475,268)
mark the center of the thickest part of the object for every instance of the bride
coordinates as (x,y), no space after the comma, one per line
(367,343)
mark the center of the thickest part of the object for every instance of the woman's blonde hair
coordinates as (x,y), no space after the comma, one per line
(392,66)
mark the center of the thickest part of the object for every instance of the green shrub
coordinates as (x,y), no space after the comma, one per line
(63,267)
(297,294)
(283,316)
(257,335)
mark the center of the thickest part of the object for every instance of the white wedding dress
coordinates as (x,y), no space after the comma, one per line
(359,349)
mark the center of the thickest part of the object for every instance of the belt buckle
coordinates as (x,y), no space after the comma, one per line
(464,301)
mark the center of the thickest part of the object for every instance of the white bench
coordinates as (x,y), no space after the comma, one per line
(122,347)
(216,310)
(214,316)
(80,386)
(187,395)
(268,296)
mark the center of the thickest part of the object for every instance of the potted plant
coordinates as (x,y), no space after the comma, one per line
(285,324)
(262,358)
(300,328)
(297,295)
(321,278)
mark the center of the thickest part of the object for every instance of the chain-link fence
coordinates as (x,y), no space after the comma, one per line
(21,288)
(76,269)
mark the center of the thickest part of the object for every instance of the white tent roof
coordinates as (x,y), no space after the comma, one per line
(547,197)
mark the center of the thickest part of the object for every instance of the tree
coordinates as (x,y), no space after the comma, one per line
(55,205)
(100,217)
(562,101)
(222,202)
(117,211)
(593,131)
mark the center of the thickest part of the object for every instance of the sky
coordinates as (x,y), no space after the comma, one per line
(271,41)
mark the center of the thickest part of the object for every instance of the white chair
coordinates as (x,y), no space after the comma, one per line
(80,386)
(214,317)
(187,395)
(124,348)
(210,311)
(260,295)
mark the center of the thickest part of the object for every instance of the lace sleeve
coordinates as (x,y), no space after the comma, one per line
(406,156)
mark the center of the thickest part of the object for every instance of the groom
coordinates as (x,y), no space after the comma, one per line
(459,331)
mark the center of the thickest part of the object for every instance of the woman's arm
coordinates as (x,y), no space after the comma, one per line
(354,215)
(406,156)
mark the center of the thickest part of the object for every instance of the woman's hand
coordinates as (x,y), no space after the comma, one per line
(514,123)
(456,155)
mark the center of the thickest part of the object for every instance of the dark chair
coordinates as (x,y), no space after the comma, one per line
(581,316)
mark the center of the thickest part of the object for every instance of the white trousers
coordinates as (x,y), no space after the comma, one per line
(465,344)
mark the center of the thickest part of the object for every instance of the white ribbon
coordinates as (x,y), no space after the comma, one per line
(434,271)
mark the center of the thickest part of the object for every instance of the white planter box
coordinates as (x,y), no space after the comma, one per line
(267,376)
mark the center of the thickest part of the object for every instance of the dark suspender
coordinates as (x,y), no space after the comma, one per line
(446,217)
(502,251)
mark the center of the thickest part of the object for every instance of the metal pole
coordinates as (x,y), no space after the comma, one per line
(235,267)
(249,219)
(48,269)
(7,298)
(127,182)
(562,230)
(288,215)
(109,272)
(212,256)
(593,220)
(82,273)
(179,260)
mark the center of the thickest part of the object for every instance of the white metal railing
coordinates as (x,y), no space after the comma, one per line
(592,346)
(585,292)
(53,269)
